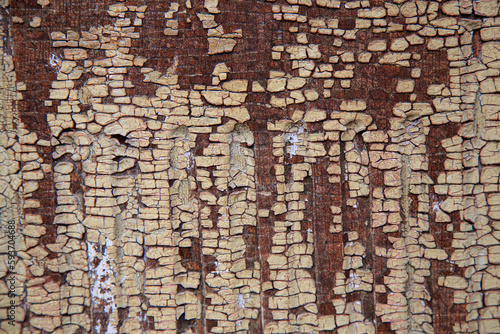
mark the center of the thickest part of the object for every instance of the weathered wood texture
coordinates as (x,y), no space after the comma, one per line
(287,166)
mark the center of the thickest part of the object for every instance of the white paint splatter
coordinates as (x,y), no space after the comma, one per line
(55,61)
(436,207)
(293,139)
(190,160)
(240,301)
(354,280)
(218,271)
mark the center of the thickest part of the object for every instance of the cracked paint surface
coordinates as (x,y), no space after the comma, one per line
(261,167)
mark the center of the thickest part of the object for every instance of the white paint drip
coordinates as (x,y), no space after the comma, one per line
(101,292)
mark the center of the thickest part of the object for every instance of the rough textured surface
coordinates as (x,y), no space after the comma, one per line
(277,166)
